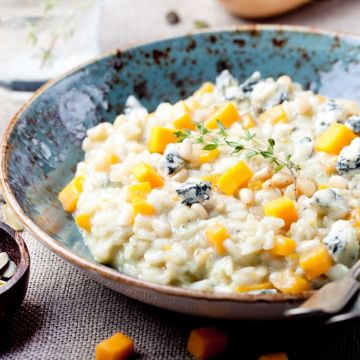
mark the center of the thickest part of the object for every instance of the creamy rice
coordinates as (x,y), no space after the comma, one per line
(188,231)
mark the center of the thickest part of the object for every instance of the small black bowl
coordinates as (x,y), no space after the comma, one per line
(13,292)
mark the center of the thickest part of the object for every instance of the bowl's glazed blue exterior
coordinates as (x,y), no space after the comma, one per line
(43,142)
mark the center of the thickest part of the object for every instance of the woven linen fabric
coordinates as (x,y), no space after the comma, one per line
(66,313)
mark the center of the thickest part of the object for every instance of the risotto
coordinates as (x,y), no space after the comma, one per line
(243,187)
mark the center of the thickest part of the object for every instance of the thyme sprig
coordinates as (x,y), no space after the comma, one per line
(212,140)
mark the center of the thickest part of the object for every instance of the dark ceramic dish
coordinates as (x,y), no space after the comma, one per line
(13,292)
(41,146)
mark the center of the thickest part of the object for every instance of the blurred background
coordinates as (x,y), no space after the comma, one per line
(40,39)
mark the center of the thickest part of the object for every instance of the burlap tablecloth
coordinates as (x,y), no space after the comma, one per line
(65,313)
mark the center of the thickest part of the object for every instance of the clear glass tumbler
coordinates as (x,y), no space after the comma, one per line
(40,39)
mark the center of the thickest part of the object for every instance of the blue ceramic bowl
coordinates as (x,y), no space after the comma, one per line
(41,145)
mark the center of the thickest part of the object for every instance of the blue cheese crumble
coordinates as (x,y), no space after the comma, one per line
(171,162)
(194,192)
(342,243)
(349,158)
(330,202)
(353,123)
(329,113)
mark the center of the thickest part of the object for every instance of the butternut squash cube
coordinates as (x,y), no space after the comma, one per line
(212,178)
(118,347)
(160,137)
(255,287)
(141,206)
(181,117)
(283,208)
(216,234)
(205,88)
(288,282)
(207,342)
(275,115)
(277,356)
(69,195)
(283,246)
(145,173)
(139,190)
(227,115)
(235,178)
(208,156)
(316,261)
(334,139)
(84,221)
(248,121)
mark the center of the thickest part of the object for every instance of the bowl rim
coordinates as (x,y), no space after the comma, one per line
(110,273)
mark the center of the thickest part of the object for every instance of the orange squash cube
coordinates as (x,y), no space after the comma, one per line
(283,246)
(334,139)
(141,206)
(315,262)
(212,178)
(70,194)
(255,287)
(160,137)
(283,208)
(216,234)
(84,221)
(227,115)
(207,342)
(288,282)
(208,156)
(277,356)
(235,178)
(118,347)
(145,173)
(139,190)
(275,115)
(181,117)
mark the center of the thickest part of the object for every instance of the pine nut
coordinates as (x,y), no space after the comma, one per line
(186,150)
(200,211)
(303,107)
(161,228)
(330,168)
(263,174)
(280,180)
(284,79)
(247,196)
(338,182)
(351,108)
(180,176)
(305,187)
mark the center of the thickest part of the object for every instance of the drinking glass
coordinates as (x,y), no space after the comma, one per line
(40,39)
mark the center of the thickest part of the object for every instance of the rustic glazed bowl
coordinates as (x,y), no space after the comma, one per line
(13,292)
(42,144)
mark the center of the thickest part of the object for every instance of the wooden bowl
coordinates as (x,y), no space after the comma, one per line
(13,292)
(259,9)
